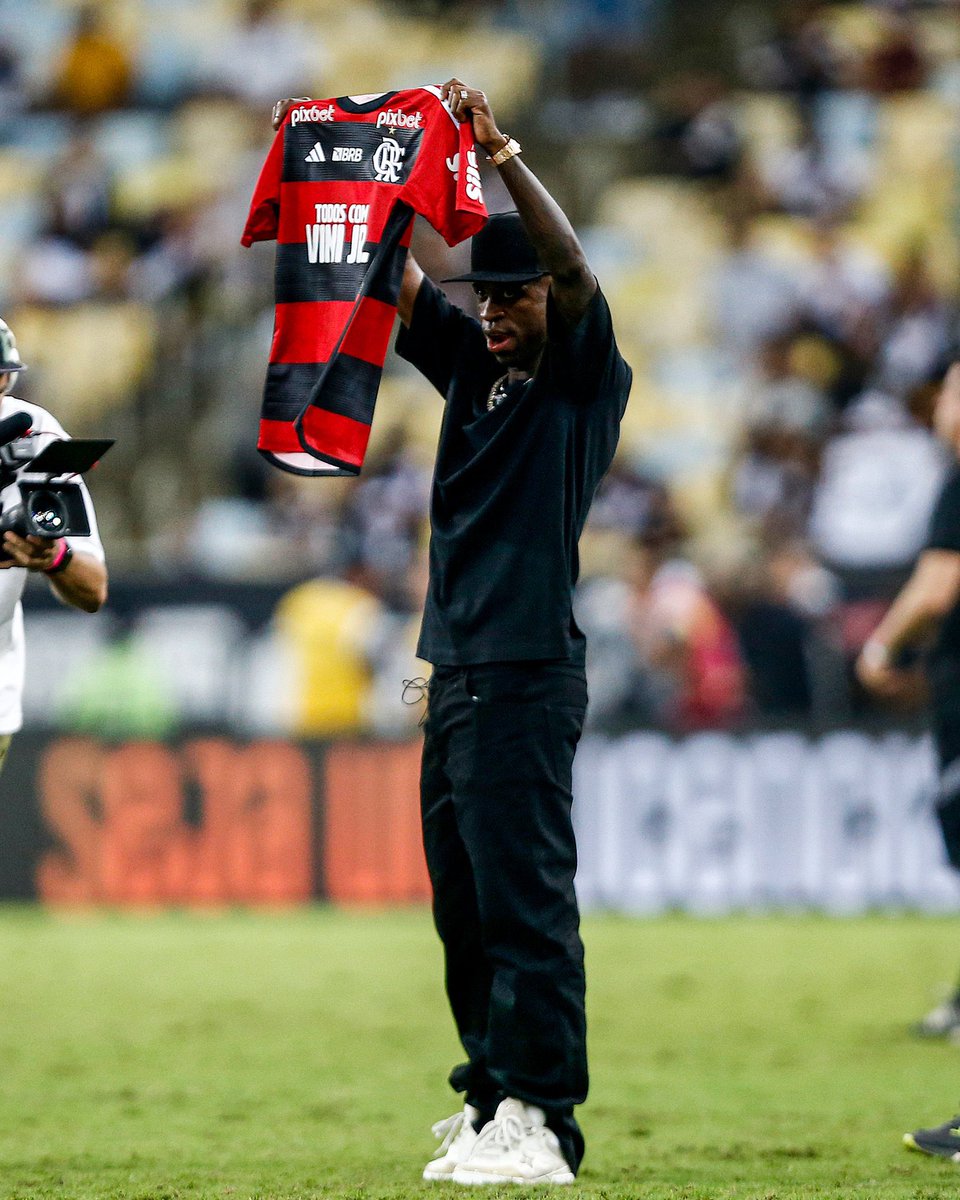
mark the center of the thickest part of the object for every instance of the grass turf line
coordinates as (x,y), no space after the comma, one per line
(304,1054)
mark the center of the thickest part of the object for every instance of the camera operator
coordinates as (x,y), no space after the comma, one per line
(74,566)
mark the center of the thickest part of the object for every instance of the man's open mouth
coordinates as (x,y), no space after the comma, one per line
(498,342)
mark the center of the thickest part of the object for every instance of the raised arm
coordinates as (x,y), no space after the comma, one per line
(412,278)
(572,282)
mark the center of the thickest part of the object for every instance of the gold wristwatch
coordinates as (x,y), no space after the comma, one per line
(508,151)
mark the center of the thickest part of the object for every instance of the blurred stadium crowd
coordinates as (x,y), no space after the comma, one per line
(774,218)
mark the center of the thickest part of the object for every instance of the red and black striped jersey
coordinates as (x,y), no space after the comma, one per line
(339,191)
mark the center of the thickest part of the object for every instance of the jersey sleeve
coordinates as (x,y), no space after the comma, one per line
(945,522)
(439,335)
(262,220)
(445,185)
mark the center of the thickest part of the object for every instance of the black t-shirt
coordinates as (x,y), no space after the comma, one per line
(513,485)
(944,534)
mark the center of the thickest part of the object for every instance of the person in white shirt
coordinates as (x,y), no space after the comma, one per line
(75,566)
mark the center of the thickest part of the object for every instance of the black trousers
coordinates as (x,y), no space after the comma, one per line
(496,796)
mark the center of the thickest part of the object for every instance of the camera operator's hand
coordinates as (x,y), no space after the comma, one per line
(32,553)
(79,580)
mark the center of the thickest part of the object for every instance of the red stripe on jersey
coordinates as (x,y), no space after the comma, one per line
(369,332)
(300,337)
(339,437)
(327,433)
(280,437)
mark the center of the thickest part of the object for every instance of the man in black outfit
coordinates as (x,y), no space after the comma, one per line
(535,391)
(930,602)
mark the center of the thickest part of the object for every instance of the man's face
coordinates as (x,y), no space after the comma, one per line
(514,320)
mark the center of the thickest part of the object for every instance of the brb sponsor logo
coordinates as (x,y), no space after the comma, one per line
(474,187)
(312,113)
(351,154)
(327,238)
(387,160)
(393,118)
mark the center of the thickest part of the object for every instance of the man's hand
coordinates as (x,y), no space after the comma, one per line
(282,107)
(470,104)
(879,678)
(32,553)
(886,682)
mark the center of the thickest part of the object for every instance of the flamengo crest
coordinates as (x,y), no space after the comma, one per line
(387,161)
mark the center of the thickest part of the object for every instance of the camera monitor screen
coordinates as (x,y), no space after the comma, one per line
(70,456)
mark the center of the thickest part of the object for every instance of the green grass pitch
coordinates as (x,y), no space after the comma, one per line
(304,1055)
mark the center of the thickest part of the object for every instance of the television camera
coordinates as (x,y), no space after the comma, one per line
(39,494)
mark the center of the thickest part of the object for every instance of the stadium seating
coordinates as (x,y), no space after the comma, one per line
(165,335)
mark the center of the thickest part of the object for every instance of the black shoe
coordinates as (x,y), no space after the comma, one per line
(943,1141)
(942,1021)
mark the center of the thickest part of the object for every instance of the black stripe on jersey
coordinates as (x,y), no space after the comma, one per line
(375,166)
(287,389)
(349,388)
(297,280)
(352,106)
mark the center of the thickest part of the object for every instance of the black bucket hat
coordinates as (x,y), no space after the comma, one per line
(501,253)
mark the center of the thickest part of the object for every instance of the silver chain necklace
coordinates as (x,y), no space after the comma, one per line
(499,391)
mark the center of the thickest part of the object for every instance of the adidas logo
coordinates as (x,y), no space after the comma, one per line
(316,154)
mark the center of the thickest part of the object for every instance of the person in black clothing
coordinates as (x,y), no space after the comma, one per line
(535,391)
(930,603)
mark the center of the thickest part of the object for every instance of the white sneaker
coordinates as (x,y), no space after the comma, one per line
(457,1138)
(515,1147)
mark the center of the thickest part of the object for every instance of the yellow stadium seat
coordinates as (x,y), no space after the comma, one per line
(768,123)
(853,27)
(916,132)
(86,361)
(213,135)
(700,499)
(18,174)
(195,24)
(172,182)
(902,212)
(783,238)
